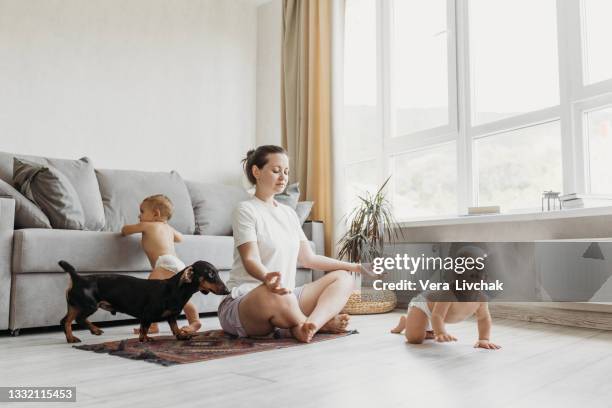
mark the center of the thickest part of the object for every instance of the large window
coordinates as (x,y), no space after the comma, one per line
(599,133)
(477,102)
(428,181)
(420,65)
(361,107)
(513,57)
(596,34)
(515,166)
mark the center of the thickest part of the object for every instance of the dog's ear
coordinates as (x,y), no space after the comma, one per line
(187,275)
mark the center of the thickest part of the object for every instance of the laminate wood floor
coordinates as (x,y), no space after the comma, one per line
(539,365)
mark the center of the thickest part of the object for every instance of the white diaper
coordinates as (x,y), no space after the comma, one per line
(170,263)
(420,302)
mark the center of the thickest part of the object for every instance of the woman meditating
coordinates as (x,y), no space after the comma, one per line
(268,243)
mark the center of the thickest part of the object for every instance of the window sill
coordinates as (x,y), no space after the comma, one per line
(507,217)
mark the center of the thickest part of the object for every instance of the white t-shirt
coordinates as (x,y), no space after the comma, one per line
(277,231)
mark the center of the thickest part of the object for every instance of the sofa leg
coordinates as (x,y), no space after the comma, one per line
(14,333)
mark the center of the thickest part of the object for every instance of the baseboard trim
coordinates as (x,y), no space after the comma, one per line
(550,315)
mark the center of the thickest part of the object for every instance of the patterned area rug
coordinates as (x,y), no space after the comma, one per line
(208,345)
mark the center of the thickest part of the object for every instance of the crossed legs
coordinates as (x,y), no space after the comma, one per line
(261,311)
(318,309)
(323,299)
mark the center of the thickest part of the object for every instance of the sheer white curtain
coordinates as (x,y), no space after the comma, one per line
(337,105)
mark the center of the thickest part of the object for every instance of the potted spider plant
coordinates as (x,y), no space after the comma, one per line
(371,226)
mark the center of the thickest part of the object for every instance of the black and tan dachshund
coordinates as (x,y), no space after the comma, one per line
(148,300)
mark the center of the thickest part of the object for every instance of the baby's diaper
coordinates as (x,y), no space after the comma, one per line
(170,263)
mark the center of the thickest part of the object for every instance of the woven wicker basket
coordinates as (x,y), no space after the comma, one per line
(370,301)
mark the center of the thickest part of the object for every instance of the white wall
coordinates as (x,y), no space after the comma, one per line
(269,34)
(139,84)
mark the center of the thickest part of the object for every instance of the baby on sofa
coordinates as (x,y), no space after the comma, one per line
(158,240)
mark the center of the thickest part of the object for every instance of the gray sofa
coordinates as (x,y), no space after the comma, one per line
(32,285)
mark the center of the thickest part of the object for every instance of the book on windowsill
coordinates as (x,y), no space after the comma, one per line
(585,203)
(579,200)
(575,196)
(485,210)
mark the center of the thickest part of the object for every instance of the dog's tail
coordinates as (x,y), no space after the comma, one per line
(70,269)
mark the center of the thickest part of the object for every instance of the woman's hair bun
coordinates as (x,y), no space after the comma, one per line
(259,158)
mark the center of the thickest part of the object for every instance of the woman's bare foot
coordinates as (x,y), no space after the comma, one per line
(192,327)
(304,332)
(337,324)
(401,325)
(429,334)
(154,329)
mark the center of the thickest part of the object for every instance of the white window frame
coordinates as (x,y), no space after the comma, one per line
(393,144)
(581,97)
(472,133)
(436,134)
(575,98)
(576,21)
(581,108)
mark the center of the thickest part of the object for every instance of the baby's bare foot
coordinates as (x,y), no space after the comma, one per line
(337,324)
(401,325)
(192,327)
(153,329)
(304,332)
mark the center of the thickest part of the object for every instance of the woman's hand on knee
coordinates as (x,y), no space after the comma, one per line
(272,281)
(368,270)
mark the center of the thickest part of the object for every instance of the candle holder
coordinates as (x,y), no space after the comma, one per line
(551,197)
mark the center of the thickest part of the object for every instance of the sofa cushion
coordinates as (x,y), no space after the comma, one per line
(27,214)
(213,205)
(290,196)
(39,250)
(123,191)
(51,191)
(303,210)
(79,172)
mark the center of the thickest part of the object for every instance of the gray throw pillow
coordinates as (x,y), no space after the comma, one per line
(303,209)
(123,191)
(81,175)
(51,191)
(27,214)
(213,205)
(290,196)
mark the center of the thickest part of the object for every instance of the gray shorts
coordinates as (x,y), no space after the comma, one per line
(229,317)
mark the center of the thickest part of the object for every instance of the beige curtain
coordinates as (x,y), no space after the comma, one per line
(306,103)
